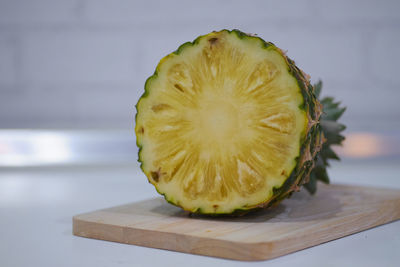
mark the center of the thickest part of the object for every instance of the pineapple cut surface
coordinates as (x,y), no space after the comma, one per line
(221,123)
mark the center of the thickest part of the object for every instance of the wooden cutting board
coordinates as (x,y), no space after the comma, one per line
(299,222)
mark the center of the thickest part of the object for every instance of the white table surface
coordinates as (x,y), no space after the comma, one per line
(37,205)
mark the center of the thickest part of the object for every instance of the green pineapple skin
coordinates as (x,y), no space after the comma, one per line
(331,129)
(315,148)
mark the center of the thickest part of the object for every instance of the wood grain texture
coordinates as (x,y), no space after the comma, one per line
(299,222)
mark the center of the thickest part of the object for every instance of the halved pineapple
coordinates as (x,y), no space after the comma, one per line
(222,124)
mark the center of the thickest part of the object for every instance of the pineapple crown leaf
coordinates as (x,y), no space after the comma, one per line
(317,88)
(331,129)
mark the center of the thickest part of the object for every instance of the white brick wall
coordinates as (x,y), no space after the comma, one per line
(27,108)
(25,12)
(116,107)
(7,60)
(73,57)
(173,12)
(385,57)
(83,63)
(355,11)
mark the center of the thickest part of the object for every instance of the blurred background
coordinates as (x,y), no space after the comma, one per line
(71,72)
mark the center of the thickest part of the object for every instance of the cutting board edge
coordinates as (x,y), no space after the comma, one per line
(251,251)
(226,249)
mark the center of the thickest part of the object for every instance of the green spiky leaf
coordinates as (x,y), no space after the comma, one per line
(311,186)
(317,88)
